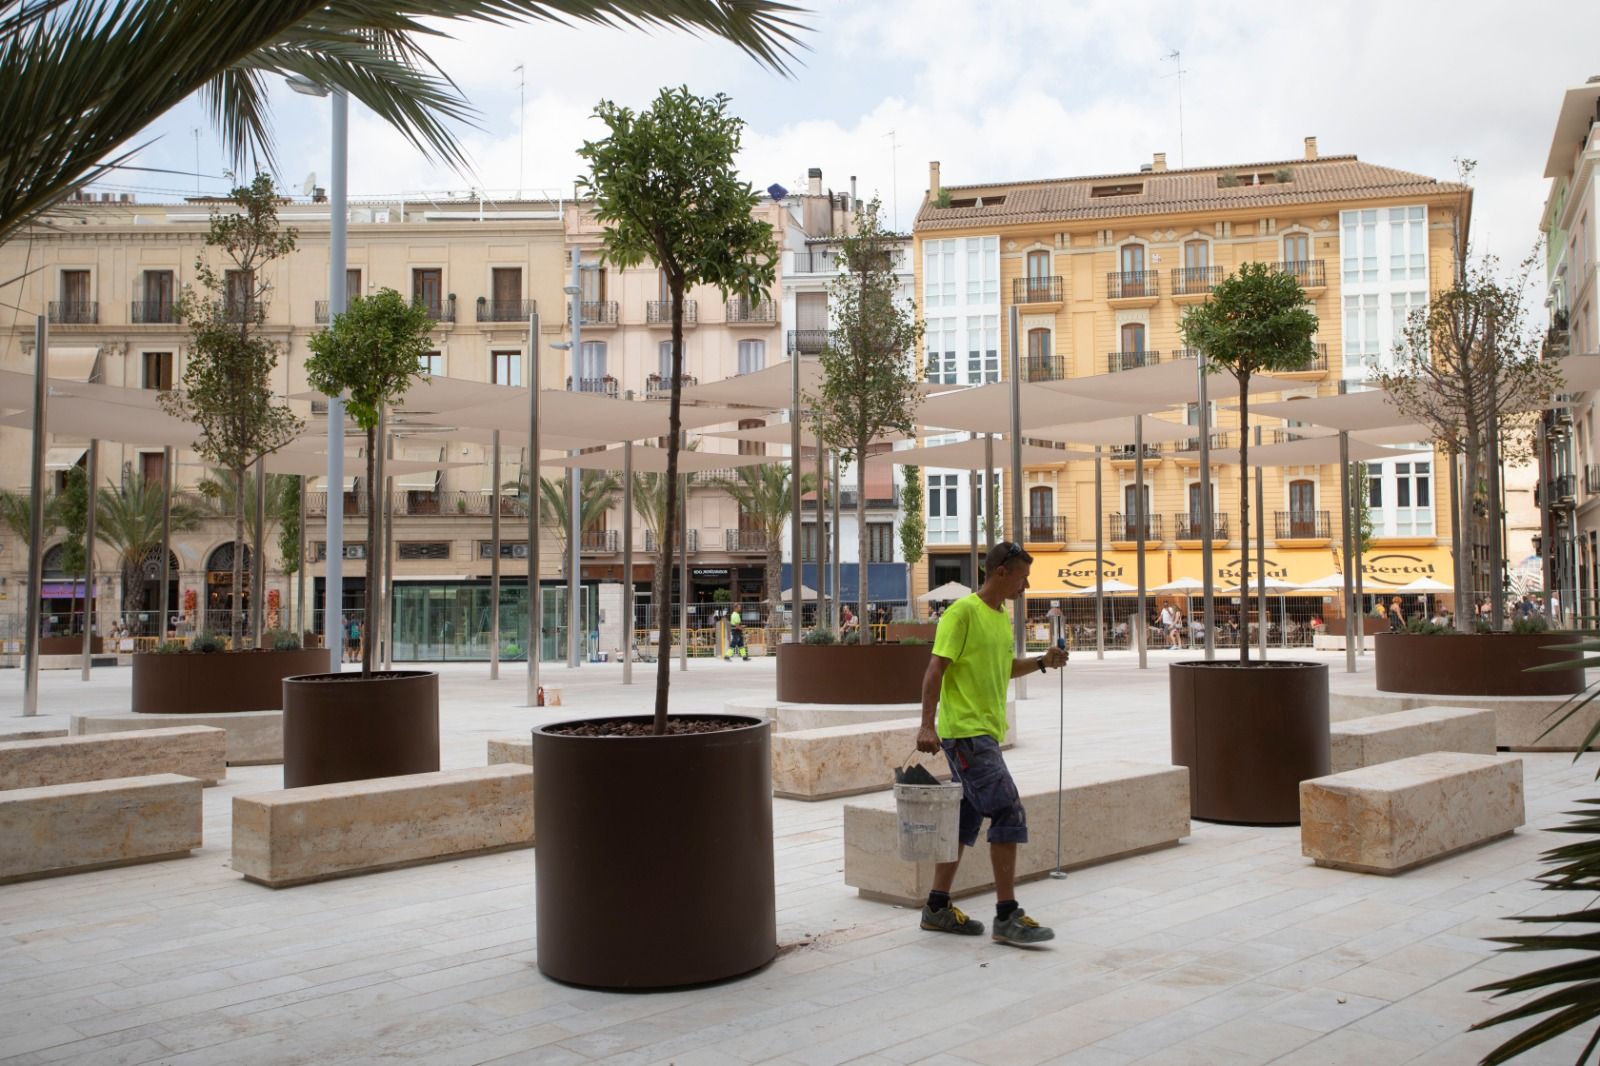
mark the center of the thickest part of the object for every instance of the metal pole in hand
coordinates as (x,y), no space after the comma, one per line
(1060,641)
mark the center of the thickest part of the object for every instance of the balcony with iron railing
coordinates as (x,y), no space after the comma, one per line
(744,313)
(744,540)
(1318,364)
(74,312)
(152,312)
(1116,361)
(1127,453)
(355,503)
(1189,448)
(1184,353)
(596,312)
(1045,529)
(1125,528)
(1561,491)
(659,313)
(1133,285)
(815,261)
(1036,368)
(1195,281)
(1591,479)
(506,310)
(651,544)
(605,386)
(600,541)
(1037,290)
(1188,526)
(243,310)
(809,341)
(657,387)
(1302,525)
(444,311)
(1310,273)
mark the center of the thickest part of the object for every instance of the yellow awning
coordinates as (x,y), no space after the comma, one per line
(1062,573)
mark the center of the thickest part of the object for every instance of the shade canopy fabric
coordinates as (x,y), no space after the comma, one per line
(1316,451)
(1182,584)
(123,423)
(654,461)
(971,455)
(1155,388)
(806,593)
(1110,586)
(987,408)
(945,593)
(64,456)
(603,419)
(1580,373)
(1116,431)
(1422,584)
(779,433)
(772,387)
(1272,586)
(1373,409)
(416,469)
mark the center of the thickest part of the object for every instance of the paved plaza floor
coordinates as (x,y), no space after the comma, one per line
(1229,948)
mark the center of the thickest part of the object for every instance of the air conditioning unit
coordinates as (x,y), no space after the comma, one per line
(381,216)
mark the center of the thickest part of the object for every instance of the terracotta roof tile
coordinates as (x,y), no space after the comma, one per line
(1332,178)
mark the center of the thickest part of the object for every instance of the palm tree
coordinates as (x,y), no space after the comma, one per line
(128,520)
(16,514)
(598,490)
(84,78)
(762,493)
(217,487)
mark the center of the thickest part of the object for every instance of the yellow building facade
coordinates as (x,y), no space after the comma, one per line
(1101,269)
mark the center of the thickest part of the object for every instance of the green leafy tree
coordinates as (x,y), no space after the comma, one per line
(913,526)
(72,509)
(128,521)
(663,184)
(373,351)
(1257,321)
(284,500)
(869,381)
(227,385)
(762,493)
(85,79)
(218,490)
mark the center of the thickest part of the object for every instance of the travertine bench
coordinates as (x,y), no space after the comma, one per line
(297,835)
(517,750)
(1391,817)
(189,751)
(87,825)
(1110,810)
(1383,738)
(847,760)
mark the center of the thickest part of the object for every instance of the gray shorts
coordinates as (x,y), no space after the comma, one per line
(987,791)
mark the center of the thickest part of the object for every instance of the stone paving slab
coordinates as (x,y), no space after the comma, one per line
(1232,948)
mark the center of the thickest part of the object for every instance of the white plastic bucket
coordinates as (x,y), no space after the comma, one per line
(930,822)
(552,695)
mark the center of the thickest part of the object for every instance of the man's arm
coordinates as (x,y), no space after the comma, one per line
(932,680)
(1054,657)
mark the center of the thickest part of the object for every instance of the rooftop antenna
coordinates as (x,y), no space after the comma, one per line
(1179,72)
(894,177)
(195,130)
(522,108)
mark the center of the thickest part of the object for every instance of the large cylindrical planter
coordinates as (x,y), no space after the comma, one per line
(1476,664)
(1249,736)
(217,682)
(852,673)
(70,645)
(653,856)
(343,727)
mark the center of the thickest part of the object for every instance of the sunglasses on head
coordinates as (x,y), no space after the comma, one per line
(1012,551)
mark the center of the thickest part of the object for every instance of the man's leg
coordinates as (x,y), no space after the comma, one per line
(1004,859)
(944,873)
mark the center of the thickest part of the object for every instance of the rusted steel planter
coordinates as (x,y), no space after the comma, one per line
(683,820)
(342,727)
(219,681)
(70,646)
(1475,664)
(1249,736)
(850,673)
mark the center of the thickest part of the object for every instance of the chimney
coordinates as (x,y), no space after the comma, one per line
(852,192)
(933,180)
(814,181)
(1160,165)
(1311,148)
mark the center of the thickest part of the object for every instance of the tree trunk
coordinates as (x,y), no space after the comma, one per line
(1467,612)
(369,591)
(863,620)
(774,577)
(236,623)
(1244,520)
(671,530)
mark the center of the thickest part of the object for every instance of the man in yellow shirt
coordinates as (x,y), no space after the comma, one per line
(964,713)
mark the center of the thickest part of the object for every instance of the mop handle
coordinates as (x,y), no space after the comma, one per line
(1061,739)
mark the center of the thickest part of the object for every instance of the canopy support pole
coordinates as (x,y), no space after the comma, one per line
(93,476)
(386,605)
(683,564)
(1208,599)
(1261,559)
(991,501)
(1099,560)
(258,562)
(834,576)
(1019,617)
(825,618)
(535,590)
(795,476)
(30,637)
(627,560)
(1139,520)
(975,500)
(299,570)
(1352,621)
(166,539)
(494,561)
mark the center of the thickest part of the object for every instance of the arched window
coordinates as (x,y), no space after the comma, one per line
(221,559)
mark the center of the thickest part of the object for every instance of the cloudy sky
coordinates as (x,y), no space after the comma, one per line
(1007,89)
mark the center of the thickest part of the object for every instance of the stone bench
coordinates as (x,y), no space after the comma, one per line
(1388,818)
(298,835)
(1384,738)
(847,760)
(190,751)
(1110,810)
(254,737)
(89,825)
(33,734)
(517,750)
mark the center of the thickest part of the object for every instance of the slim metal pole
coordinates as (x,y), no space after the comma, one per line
(300,571)
(991,501)
(92,478)
(535,591)
(333,583)
(833,560)
(825,617)
(386,601)
(1351,622)
(976,503)
(795,524)
(1019,610)
(1099,561)
(575,483)
(683,566)
(1139,532)
(627,560)
(1208,605)
(30,638)
(494,563)
(372,628)
(166,539)
(1058,639)
(1547,538)
(258,559)
(1261,559)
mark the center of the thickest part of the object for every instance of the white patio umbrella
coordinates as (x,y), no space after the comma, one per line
(806,592)
(945,593)
(1111,586)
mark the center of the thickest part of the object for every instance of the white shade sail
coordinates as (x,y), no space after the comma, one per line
(987,408)
(1182,584)
(778,433)
(1373,409)
(772,387)
(654,461)
(947,592)
(1316,451)
(1155,388)
(1116,431)
(970,455)
(122,423)
(1423,584)
(64,456)
(806,593)
(1110,586)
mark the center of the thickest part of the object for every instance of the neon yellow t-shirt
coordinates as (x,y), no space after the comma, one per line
(977,640)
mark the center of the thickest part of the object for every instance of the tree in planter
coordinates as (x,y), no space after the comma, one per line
(1467,367)
(664,185)
(128,520)
(286,502)
(762,493)
(72,508)
(912,525)
(227,384)
(869,382)
(374,350)
(1257,321)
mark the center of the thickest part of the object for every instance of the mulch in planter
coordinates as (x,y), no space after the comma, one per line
(675,727)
